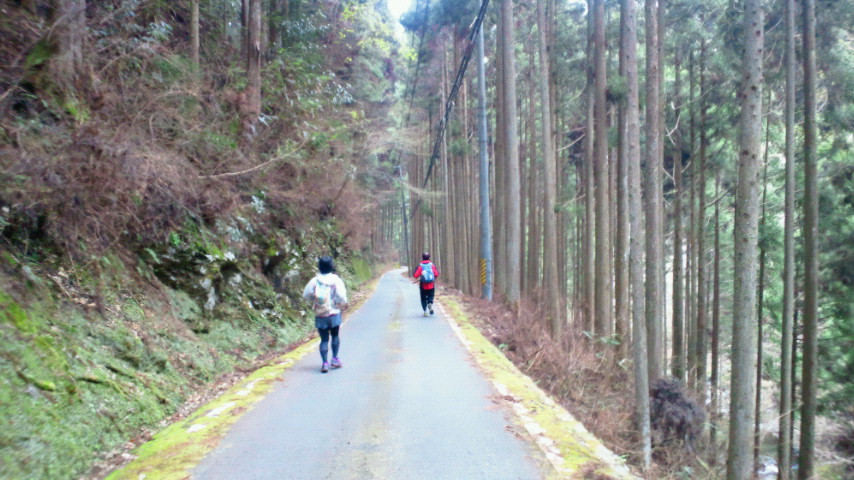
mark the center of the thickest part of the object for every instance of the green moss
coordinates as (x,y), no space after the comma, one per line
(133,310)
(362,270)
(67,394)
(50,353)
(40,54)
(181,305)
(77,109)
(11,312)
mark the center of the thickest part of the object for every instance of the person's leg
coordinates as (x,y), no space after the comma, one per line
(324,345)
(423,299)
(336,343)
(430,294)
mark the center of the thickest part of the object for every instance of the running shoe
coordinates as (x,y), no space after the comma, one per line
(430,306)
(324,368)
(336,363)
(425,313)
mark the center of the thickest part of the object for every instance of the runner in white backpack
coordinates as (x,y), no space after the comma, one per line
(328,296)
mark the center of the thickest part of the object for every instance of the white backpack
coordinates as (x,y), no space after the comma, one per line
(323,298)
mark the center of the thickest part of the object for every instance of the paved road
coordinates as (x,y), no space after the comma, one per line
(408,404)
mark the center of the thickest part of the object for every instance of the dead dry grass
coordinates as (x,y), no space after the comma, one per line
(585,381)
(149,146)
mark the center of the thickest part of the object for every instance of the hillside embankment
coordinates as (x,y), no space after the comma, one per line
(93,360)
(153,248)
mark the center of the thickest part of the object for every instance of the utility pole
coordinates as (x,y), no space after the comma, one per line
(485,225)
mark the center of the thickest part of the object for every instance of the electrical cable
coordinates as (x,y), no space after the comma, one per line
(449,103)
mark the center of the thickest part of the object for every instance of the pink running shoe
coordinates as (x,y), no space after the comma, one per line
(324,368)
(336,363)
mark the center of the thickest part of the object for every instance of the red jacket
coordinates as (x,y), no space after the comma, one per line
(426,286)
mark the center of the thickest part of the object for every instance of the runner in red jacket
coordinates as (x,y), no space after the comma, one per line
(427,273)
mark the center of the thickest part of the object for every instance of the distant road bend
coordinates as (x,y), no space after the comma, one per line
(409,403)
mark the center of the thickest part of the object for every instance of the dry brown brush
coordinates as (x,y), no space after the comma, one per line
(571,369)
(581,373)
(150,144)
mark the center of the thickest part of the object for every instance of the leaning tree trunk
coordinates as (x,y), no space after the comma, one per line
(740,455)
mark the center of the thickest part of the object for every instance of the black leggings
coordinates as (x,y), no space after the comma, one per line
(324,342)
(427,297)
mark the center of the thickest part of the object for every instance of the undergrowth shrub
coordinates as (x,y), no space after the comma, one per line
(676,416)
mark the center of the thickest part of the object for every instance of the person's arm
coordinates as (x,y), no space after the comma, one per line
(340,294)
(308,292)
(435,271)
(417,271)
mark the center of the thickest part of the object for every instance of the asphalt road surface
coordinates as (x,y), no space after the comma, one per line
(409,403)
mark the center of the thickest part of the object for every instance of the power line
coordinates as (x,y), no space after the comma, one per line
(449,103)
